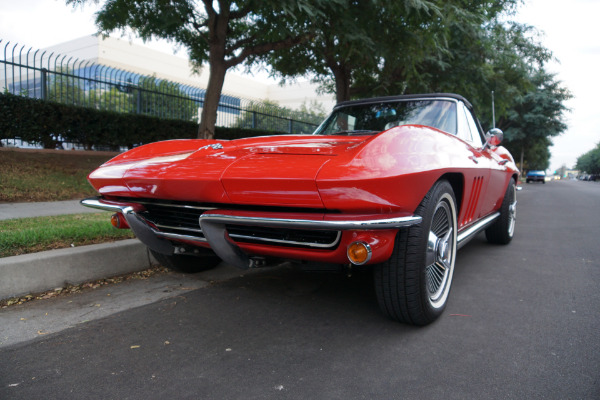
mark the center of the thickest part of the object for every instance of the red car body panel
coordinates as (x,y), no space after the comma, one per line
(345,176)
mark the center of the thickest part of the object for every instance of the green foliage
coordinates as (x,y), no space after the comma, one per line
(590,161)
(65,88)
(224,34)
(535,116)
(378,48)
(150,96)
(351,41)
(161,98)
(48,123)
(369,48)
(261,116)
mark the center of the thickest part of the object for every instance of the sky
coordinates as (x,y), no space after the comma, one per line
(570,29)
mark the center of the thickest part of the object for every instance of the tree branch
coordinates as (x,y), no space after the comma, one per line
(241,13)
(263,48)
(209,9)
(241,43)
(198,27)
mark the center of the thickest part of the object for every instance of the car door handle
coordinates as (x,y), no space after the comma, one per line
(474,159)
(503,162)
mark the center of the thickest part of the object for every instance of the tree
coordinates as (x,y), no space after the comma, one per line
(224,33)
(535,117)
(487,54)
(161,98)
(590,161)
(352,39)
(63,87)
(270,116)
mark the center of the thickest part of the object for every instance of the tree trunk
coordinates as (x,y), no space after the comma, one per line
(208,118)
(218,68)
(342,83)
(522,155)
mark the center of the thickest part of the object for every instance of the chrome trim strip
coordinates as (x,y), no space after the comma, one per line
(387,223)
(291,242)
(144,232)
(176,205)
(176,236)
(94,202)
(215,233)
(464,237)
(213,226)
(257,238)
(178,228)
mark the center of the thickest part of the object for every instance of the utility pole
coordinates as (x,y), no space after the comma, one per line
(493,111)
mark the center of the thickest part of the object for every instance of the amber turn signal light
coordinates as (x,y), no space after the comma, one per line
(359,253)
(118,221)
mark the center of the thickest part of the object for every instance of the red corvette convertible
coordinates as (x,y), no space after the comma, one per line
(395,184)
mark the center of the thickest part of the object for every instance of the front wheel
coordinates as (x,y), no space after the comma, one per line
(188,263)
(414,284)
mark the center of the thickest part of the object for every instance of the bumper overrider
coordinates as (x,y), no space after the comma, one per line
(213,227)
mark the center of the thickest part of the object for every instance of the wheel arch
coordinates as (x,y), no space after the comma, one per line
(515,176)
(457,181)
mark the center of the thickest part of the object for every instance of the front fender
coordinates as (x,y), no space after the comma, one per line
(394,171)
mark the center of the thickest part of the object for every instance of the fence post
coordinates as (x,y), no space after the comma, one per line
(44,84)
(138,101)
(291,125)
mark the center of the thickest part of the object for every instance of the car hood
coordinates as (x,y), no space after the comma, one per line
(277,170)
(350,173)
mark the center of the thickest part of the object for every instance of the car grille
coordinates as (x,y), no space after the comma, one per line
(182,219)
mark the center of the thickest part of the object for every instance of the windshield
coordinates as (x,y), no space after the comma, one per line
(370,118)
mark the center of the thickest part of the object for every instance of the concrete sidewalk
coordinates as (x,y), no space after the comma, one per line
(42,209)
(46,270)
(37,272)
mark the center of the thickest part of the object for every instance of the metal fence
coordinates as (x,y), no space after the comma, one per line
(55,77)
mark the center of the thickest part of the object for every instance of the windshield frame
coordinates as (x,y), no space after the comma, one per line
(383,100)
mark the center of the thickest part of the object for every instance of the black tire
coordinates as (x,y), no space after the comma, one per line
(503,230)
(414,284)
(188,263)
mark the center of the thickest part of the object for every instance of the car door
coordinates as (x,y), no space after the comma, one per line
(492,167)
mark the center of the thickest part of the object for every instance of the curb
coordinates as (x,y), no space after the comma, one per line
(37,272)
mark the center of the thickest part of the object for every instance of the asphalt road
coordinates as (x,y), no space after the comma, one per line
(523,322)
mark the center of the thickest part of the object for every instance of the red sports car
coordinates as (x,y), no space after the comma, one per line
(396,184)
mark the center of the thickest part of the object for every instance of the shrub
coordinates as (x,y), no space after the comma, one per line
(48,123)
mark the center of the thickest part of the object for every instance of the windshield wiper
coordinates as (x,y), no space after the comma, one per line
(356,132)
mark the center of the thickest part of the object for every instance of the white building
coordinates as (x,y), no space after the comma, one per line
(123,55)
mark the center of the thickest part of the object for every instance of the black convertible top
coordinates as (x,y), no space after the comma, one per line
(404,97)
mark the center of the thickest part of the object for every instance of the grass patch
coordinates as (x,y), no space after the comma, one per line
(30,235)
(47,175)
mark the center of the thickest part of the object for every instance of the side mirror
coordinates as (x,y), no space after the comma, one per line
(493,138)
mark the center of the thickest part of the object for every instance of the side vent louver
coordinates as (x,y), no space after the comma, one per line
(473,199)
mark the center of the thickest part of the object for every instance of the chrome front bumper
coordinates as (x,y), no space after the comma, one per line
(212,224)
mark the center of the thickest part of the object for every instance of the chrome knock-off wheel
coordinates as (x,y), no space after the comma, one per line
(440,255)
(512,213)
(503,230)
(413,285)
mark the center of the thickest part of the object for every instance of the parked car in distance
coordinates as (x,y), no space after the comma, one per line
(394,184)
(535,176)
